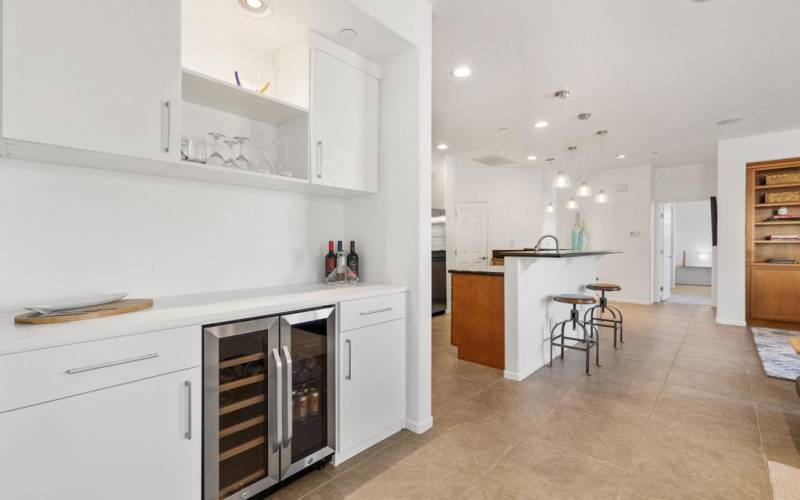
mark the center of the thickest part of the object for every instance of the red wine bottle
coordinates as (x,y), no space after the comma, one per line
(330,260)
(352,258)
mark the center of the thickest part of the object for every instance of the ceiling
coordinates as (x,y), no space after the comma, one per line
(658,75)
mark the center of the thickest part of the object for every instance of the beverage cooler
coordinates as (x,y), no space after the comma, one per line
(269,409)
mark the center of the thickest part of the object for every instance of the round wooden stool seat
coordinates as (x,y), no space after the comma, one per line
(604,287)
(574,298)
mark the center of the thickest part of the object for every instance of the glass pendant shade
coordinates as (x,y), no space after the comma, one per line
(562,181)
(572,204)
(550,208)
(601,197)
(584,190)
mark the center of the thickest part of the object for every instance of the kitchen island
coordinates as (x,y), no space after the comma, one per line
(530,279)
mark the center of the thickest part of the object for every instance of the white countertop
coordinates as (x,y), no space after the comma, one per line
(184,310)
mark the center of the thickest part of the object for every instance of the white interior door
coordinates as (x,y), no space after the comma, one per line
(667,257)
(472,235)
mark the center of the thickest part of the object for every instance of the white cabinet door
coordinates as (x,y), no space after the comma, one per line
(127,442)
(372,385)
(93,75)
(344,124)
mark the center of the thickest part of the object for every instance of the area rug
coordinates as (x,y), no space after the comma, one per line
(777,356)
(785,481)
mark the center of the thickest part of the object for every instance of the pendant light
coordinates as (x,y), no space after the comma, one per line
(550,208)
(562,180)
(584,189)
(572,204)
(601,196)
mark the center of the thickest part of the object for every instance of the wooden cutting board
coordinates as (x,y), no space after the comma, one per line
(91,312)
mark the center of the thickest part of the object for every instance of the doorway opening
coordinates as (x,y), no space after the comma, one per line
(684,253)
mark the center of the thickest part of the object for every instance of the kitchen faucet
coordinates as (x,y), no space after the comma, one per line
(538,243)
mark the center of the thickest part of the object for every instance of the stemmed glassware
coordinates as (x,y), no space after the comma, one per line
(232,152)
(216,157)
(241,160)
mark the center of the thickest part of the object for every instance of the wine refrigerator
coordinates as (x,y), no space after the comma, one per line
(269,401)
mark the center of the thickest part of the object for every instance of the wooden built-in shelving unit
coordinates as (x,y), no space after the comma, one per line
(772,289)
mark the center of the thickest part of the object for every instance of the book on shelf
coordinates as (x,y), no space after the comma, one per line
(789,237)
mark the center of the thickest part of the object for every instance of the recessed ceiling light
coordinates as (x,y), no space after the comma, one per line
(531,157)
(256,8)
(621,157)
(442,147)
(347,34)
(462,72)
(541,124)
(729,121)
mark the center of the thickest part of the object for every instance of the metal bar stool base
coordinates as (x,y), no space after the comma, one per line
(588,342)
(615,323)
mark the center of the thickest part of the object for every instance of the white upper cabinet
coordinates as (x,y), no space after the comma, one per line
(344,124)
(93,75)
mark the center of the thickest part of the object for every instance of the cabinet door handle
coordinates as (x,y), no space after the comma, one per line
(376,311)
(73,371)
(349,375)
(320,148)
(287,408)
(168,134)
(188,433)
(278,389)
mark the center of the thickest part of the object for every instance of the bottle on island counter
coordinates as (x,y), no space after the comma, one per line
(352,258)
(330,259)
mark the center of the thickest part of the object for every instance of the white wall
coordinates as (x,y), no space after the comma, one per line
(732,158)
(611,226)
(684,183)
(514,198)
(438,181)
(691,223)
(68,230)
(395,225)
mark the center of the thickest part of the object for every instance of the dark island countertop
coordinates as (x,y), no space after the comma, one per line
(550,253)
(494,271)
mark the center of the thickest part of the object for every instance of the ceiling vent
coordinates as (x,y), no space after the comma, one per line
(494,160)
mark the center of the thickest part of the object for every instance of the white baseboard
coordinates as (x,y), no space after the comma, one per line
(732,322)
(341,456)
(518,377)
(419,427)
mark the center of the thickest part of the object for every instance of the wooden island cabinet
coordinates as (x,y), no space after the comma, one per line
(477,324)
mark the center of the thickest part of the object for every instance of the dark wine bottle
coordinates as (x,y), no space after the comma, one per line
(352,258)
(338,246)
(330,260)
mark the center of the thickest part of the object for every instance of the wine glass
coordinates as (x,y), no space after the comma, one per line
(241,161)
(232,152)
(215,140)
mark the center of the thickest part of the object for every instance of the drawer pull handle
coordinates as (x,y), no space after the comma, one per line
(188,385)
(376,311)
(73,371)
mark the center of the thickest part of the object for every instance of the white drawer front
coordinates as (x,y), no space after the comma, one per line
(48,374)
(360,313)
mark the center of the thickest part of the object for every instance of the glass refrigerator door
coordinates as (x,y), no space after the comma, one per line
(307,350)
(242,369)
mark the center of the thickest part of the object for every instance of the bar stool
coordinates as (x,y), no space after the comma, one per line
(588,341)
(616,314)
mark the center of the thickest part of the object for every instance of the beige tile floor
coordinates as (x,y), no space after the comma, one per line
(680,411)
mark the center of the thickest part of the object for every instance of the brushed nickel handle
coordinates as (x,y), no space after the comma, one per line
(376,311)
(320,148)
(349,375)
(73,371)
(168,108)
(188,433)
(278,389)
(287,409)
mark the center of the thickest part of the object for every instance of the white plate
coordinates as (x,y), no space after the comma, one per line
(78,302)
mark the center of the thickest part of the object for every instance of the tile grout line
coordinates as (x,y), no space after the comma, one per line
(652,411)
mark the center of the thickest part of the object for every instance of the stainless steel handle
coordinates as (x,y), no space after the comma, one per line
(287,409)
(73,371)
(349,375)
(278,389)
(168,108)
(188,385)
(320,147)
(376,311)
